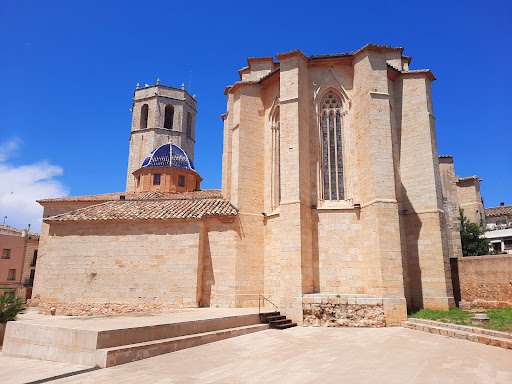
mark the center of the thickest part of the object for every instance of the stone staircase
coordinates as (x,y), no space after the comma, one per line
(475,334)
(276,320)
(115,346)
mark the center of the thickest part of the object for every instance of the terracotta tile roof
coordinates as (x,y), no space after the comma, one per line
(502,210)
(12,229)
(149,210)
(16,230)
(203,194)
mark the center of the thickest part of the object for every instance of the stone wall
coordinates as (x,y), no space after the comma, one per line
(343,311)
(486,281)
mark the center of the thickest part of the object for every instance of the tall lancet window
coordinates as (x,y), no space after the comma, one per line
(276,161)
(332,157)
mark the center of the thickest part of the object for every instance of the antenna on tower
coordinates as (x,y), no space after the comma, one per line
(190,82)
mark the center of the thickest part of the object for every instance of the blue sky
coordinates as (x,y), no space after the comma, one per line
(69,69)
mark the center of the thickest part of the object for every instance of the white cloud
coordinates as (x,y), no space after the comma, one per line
(9,148)
(21,186)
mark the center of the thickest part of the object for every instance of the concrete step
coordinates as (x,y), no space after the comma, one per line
(286,325)
(447,330)
(466,328)
(109,357)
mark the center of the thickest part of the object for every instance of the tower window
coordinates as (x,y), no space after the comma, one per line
(181,181)
(169,116)
(156,179)
(189,124)
(144,116)
(332,156)
(138,181)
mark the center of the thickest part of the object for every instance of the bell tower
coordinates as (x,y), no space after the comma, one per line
(160,115)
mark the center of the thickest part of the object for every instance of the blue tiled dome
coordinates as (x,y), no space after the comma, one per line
(168,155)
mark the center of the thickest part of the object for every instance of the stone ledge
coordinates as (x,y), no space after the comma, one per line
(465,328)
(475,334)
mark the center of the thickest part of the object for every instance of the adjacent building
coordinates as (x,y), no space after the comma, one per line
(498,223)
(18,261)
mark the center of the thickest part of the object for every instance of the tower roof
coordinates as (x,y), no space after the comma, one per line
(168,155)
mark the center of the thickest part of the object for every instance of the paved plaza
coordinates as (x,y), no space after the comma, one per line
(297,355)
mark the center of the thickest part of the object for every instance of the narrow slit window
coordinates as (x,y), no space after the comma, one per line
(156,179)
(189,125)
(181,181)
(169,116)
(144,111)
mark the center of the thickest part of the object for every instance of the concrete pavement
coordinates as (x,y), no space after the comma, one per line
(299,355)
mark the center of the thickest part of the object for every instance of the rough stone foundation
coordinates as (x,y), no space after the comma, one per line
(337,312)
(94,309)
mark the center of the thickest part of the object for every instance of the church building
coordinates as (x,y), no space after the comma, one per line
(331,195)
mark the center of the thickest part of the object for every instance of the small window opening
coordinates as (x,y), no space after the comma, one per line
(189,124)
(144,116)
(6,254)
(181,181)
(11,275)
(138,181)
(197,185)
(156,179)
(169,115)
(34,259)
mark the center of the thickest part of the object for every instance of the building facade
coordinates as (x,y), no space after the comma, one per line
(498,224)
(331,194)
(18,261)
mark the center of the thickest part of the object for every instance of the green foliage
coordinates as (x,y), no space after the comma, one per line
(501,319)
(10,306)
(471,237)
(432,314)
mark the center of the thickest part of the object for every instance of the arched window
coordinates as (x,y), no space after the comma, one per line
(189,124)
(144,116)
(331,121)
(276,161)
(169,115)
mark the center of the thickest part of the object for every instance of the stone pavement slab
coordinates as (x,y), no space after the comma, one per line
(103,323)
(316,355)
(18,370)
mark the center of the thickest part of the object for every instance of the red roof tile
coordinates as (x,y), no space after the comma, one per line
(150,209)
(502,210)
(203,194)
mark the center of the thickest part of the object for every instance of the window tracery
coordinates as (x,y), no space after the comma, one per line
(331,122)
(276,161)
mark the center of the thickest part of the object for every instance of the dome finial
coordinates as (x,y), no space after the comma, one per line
(138,86)
(183,86)
(158,81)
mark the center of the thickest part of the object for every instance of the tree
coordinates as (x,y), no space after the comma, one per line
(472,237)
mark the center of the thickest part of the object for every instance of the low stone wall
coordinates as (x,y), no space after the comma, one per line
(94,309)
(485,281)
(347,311)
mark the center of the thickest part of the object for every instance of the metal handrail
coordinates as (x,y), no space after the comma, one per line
(259,302)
